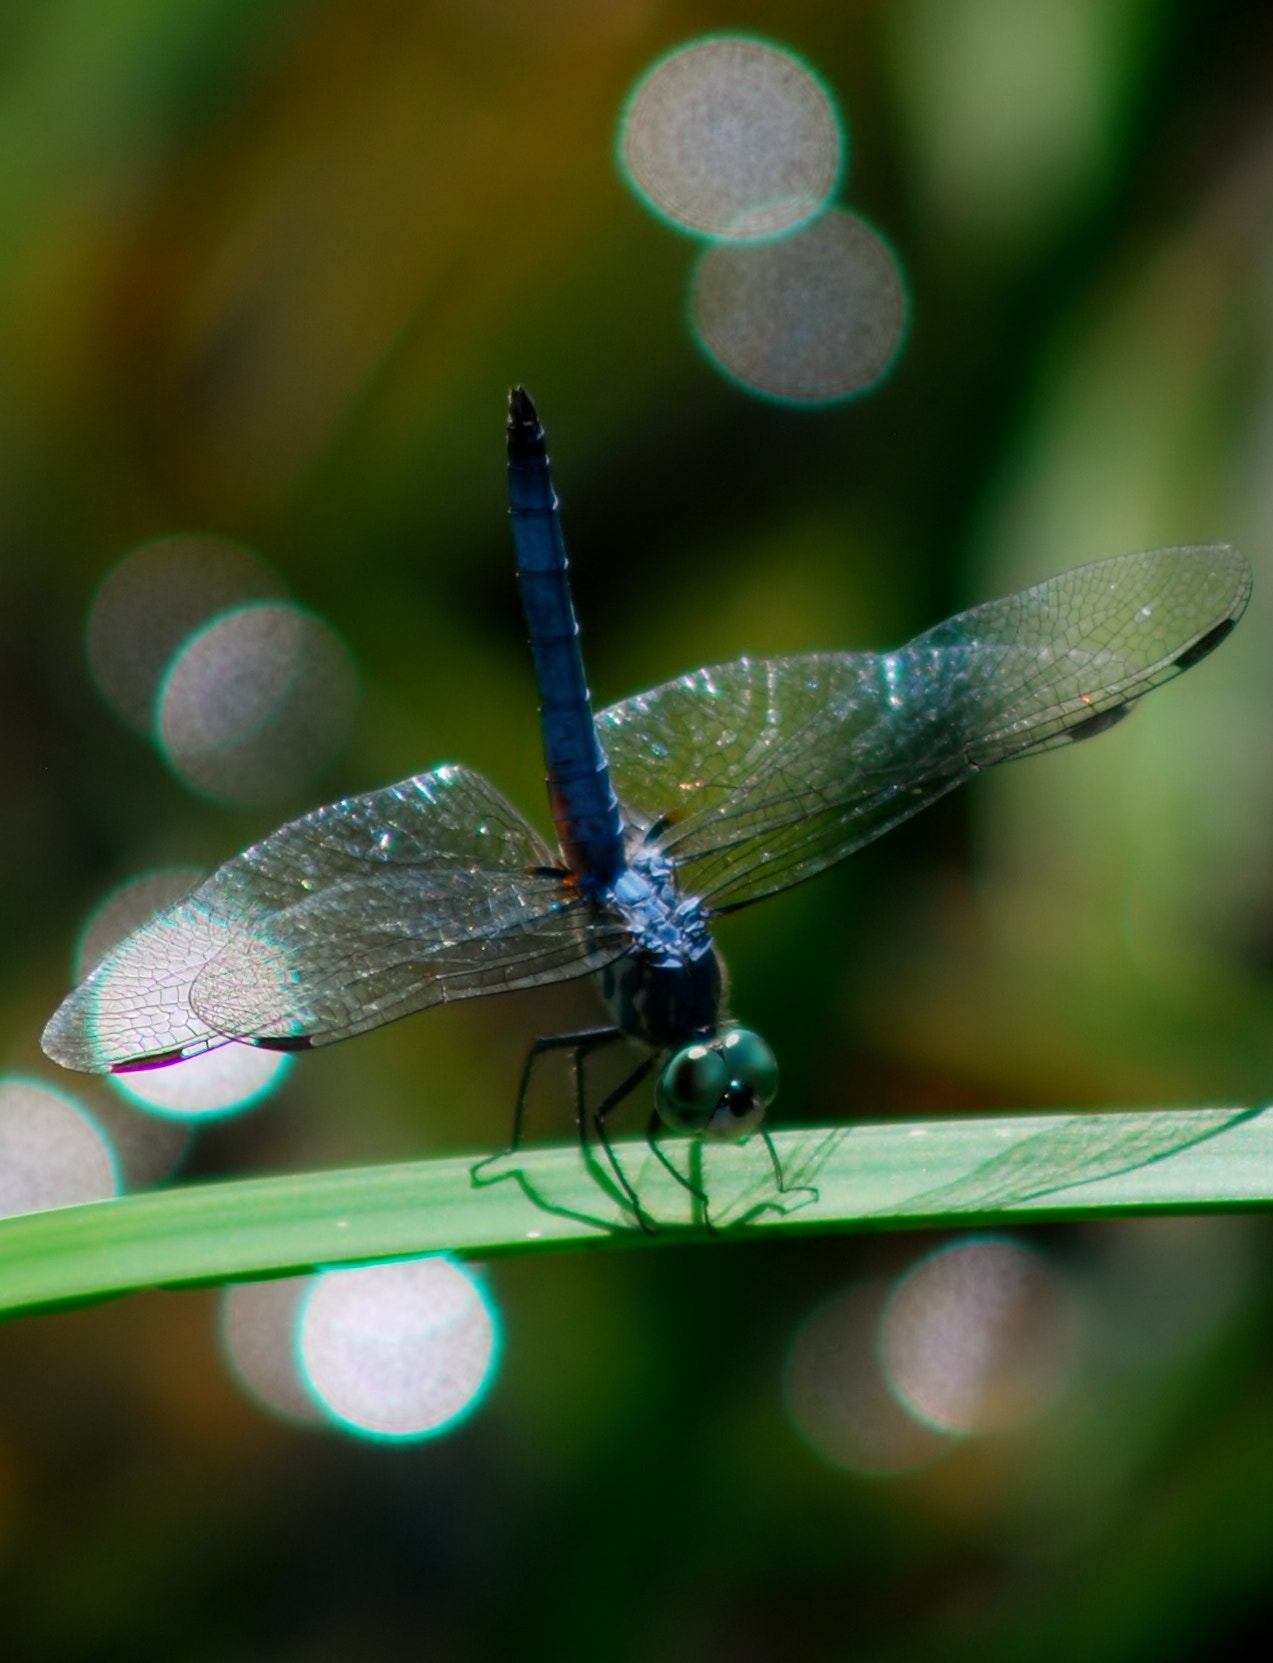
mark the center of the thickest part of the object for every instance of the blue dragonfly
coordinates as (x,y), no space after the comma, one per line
(671,808)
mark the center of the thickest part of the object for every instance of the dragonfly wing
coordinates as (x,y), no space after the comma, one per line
(757,774)
(427,891)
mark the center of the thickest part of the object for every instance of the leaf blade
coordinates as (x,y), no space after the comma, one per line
(955,1173)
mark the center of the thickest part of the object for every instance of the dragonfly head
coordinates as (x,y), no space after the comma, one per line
(720,1087)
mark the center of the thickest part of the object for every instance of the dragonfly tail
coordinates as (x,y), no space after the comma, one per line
(584,807)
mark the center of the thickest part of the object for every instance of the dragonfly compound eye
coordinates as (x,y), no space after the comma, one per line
(691,1087)
(752,1066)
(753,1080)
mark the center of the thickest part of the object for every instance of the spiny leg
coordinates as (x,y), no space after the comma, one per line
(625,1088)
(581,1043)
(587,1039)
(779,1179)
(652,1138)
(588,1043)
(784,1188)
(780,1182)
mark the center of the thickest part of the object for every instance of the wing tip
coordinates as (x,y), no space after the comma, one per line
(73,1040)
(1243,577)
(1231,558)
(67,1042)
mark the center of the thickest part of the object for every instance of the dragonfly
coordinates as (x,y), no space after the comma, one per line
(671,808)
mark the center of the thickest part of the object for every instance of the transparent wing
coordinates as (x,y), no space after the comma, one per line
(757,774)
(427,891)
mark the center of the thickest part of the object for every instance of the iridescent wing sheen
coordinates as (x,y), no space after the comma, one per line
(757,774)
(427,891)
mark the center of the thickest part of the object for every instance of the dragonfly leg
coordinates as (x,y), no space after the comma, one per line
(652,1138)
(587,1044)
(588,1039)
(777,1164)
(625,1088)
(780,1184)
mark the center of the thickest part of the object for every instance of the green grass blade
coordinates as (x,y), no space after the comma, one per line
(995,1170)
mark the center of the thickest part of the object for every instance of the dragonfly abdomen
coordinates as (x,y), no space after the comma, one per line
(584,807)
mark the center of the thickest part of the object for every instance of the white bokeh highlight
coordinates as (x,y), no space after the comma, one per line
(398,1350)
(258,1336)
(153,601)
(732,138)
(255,703)
(810,318)
(134,903)
(839,1399)
(981,1337)
(51,1152)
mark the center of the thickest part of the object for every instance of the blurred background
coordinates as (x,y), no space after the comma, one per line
(268,271)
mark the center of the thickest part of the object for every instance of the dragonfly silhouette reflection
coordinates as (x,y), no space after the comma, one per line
(672,807)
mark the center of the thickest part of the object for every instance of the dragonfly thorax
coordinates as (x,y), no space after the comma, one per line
(664,924)
(668,988)
(665,1005)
